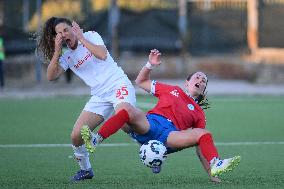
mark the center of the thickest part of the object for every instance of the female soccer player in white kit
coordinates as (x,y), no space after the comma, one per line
(89,59)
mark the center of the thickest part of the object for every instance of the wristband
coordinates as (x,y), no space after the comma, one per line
(150,66)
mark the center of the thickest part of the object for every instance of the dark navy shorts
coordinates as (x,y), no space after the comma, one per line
(160,128)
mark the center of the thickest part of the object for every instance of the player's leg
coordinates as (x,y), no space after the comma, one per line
(209,152)
(185,138)
(135,118)
(86,118)
(93,114)
(80,152)
(124,102)
(125,113)
(204,140)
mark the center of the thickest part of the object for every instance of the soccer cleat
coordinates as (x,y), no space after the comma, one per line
(89,139)
(156,170)
(82,175)
(219,167)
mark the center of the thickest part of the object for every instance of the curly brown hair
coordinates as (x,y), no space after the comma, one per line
(46,37)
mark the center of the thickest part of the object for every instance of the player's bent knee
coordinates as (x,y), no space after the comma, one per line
(201,132)
(124,106)
(132,111)
(75,137)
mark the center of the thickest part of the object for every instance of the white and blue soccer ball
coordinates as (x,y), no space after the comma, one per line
(153,153)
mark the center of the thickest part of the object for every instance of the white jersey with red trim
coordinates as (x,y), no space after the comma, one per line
(100,75)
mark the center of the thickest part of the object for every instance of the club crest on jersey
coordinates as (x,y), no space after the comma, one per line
(175,93)
(190,107)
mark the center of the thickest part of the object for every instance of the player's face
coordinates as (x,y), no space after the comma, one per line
(197,84)
(67,34)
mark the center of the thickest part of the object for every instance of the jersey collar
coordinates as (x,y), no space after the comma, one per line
(188,94)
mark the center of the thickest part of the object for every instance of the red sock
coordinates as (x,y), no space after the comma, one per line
(113,124)
(207,147)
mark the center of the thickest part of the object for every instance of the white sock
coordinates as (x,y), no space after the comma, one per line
(212,161)
(99,138)
(82,156)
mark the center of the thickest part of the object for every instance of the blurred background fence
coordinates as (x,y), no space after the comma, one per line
(193,27)
(211,25)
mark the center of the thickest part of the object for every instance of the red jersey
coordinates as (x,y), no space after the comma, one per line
(177,106)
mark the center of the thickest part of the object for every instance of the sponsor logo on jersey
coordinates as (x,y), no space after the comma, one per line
(190,107)
(175,93)
(80,62)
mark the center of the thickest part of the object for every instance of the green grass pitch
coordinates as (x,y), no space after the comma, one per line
(250,126)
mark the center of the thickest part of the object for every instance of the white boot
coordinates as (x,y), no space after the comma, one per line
(219,166)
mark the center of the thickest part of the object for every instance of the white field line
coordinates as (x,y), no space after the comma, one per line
(59,145)
(132,144)
(141,105)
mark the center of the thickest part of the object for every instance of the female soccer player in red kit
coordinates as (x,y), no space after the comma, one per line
(177,120)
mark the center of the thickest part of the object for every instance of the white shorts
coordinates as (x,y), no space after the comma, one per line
(104,105)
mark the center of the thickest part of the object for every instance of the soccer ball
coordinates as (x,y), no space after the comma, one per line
(153,153)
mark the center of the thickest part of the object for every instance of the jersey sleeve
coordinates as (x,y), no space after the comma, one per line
(63,63)
(158,88)
(94,38)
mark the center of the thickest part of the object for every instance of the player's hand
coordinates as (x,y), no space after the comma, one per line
(77,30)
(154,57)
(215,179)
(58,42)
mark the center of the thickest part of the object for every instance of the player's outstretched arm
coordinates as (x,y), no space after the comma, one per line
(143,78)
(206,166)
